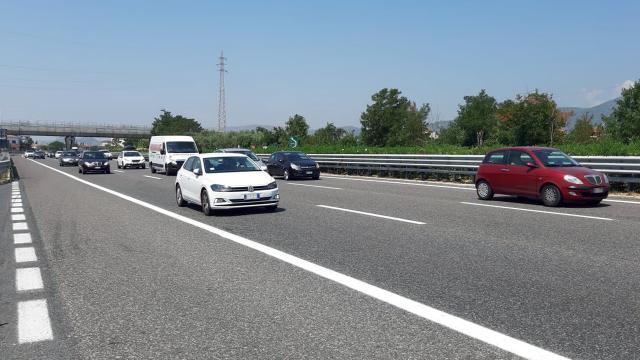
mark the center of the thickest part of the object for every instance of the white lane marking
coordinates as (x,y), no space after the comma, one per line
(17,210)
(18,217)
(486,335)
(28,279)
(372,214)
(16,204)
(401,183)
(16,196)
(33,321)
(25,254)
(22,238)
(316,186)
(538,211)
(622,201)
(152,177)
(120,171)
(20,226)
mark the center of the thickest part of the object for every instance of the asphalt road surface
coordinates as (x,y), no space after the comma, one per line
(348,268)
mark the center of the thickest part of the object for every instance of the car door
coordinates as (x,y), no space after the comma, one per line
(523,179)
(194,182)
(185,176)
(494,170)
(272,164)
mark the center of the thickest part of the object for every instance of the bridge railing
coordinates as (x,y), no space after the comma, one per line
(73,129)
(622,169)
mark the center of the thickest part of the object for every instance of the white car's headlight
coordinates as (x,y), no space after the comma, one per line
(572,179)
(220,188)
(295,167)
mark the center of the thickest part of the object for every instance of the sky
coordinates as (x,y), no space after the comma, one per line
(121,62)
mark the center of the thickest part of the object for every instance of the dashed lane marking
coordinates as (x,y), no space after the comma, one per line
(28,279)
(25,254)
(33,321)
(152,177)
(538,211)
(22,238)
(316,186)
(20,226)
(17,210)
(468,328)
(372,214)
(18,217)
(401,183)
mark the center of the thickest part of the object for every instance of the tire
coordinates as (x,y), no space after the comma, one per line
(594,202)
(551,195)
(153,170)
(144,166)
(206,205)
(179,199)
(79,169)
(316,177)
(286,175)
(119,167)
(484,190)
(108,171)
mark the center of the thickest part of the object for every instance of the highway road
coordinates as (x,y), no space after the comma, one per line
(348,267)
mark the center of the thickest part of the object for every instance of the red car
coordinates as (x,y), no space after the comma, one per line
(542,173)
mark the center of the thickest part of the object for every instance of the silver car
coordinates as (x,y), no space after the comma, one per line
(246,152)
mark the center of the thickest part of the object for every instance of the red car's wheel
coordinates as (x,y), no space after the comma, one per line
(551,195)
(484,190)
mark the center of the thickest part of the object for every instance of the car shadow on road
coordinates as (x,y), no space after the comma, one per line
(529,201)
(239,212)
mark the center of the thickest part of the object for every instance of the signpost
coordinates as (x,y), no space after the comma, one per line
(293,142)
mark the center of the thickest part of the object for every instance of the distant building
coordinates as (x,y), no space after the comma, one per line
(14,142)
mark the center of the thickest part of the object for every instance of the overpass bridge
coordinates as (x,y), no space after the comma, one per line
(72,130)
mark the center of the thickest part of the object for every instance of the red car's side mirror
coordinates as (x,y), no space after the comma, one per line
(532,165)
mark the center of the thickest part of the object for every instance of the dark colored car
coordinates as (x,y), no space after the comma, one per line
(93,161)
(39,155)
(292,164)
(543,173)
(69,158)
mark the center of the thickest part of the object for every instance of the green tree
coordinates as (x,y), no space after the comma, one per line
(583,130)
(328,135)
(56,146)
(393,120)
(168,124)
(532,119)
(624,122)
(26,143)
(477,118)
(297,126)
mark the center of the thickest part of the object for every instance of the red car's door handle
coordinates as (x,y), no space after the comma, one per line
(504,170)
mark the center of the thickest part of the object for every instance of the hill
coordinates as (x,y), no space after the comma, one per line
(598,111)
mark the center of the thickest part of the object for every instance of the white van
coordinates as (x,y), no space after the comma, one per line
(167,153)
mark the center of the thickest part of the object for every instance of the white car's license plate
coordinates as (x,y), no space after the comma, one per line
(598,190)
(309,172)
(252,196)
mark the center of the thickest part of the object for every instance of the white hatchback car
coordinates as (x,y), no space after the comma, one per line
(130,159)
(225,181)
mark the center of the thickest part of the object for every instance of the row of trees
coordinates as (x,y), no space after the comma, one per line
(394,120)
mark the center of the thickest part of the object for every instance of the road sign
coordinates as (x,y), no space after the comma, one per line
(293,142)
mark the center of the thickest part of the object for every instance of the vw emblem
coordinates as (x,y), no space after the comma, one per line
(250,188)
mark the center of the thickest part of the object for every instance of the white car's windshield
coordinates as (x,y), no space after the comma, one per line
(131,153)
(181,147)
(228,164)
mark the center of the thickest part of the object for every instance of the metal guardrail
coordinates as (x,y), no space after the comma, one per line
(622,169)
(5,167)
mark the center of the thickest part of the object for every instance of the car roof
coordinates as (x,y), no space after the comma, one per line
(524,148)
(234,149)
(219,154)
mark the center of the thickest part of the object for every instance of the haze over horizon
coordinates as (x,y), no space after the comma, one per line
(122,62)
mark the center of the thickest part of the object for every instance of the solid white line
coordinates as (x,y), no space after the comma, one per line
(152,177)
(120,171)
(623,201)
(401,183)
(17,217)
(33,321)
(20,226)
(455,323)
(538,211)
(17,210)
(22,238)
(28,279)
(316,186)
(372,214)
(25,254)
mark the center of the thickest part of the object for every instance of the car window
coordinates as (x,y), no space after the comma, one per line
(555,158)
(187,164)
(496,157)
(519,158)
(196,164)
(131,153)
(94,156)
(181,147)
(229,164)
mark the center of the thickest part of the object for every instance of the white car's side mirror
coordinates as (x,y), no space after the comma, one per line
(196,171)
